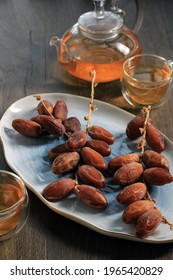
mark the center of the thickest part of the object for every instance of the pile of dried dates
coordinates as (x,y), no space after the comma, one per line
(83,153)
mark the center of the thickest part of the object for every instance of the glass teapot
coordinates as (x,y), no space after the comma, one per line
(99,41)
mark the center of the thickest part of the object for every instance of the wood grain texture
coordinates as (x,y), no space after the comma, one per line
(28,65)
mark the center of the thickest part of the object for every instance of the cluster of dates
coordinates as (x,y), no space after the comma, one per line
(85,156)
(49,120)
(136,171)
(77,154)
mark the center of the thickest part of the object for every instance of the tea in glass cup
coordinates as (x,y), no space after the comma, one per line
(147,80)
(14,204)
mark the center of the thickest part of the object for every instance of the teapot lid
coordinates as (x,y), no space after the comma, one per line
(100,25)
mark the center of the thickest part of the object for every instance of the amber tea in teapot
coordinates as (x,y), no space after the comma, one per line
(105,59)
(99,42)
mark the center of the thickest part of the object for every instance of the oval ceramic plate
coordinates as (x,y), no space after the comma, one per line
(29,159)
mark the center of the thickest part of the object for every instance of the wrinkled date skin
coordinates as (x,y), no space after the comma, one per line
(65,162)
(116,162)
(52,125)
(71,125)
(148,222)
(91,157)
(45,108)
(60,110)
(91,196)
(133,127)
(27,127)
(134,210)
(132,193)
(157,176)
(59,189)
(55,151)
(39,119)
(128,174)
(100,146)
(99,133)
(62,148)
(77,140)
(153,159)
(91,176)
(154,138)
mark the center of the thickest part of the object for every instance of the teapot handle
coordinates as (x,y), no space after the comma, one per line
(139,13)
(139,16)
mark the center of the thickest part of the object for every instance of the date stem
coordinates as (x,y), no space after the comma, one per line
(39,98)
(91,106)
(44,105)
(148,197)
(141,145)
(76,179)
(165,221)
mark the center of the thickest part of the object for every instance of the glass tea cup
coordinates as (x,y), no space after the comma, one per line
(14,204)
(147,80)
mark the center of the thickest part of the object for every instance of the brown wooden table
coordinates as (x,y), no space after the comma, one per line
(27,66)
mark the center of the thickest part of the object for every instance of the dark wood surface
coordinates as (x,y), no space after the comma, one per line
(27,66)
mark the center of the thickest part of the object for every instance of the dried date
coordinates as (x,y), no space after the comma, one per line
(132,193)
(134,210)
(100,146)
(157,176)
(91,196)
(27,128)
(65,162)
(71,125)
(148,222)
(128,174)
(153,159)
(60,110)
(59,189)
(133,127)
(154,138)
(91,157)
(99,133)
(118,161)
(45,108)
(55,151)
(91,176)
(77,140)
(52,125)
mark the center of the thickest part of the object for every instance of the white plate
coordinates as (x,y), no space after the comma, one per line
(28,158)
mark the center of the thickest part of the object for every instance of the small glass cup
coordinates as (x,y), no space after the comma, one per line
(14,204)
(147,80)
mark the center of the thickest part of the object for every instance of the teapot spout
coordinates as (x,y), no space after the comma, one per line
(55,41)
(61,48)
